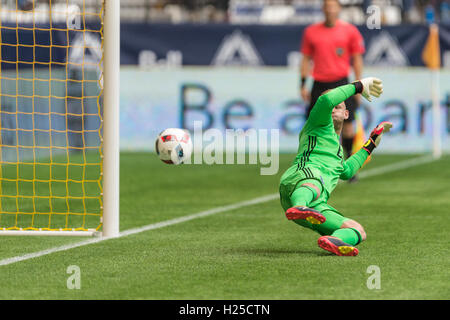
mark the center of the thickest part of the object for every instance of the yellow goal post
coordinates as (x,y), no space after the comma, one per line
(59,117)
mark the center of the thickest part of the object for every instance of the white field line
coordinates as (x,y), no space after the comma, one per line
(365,174)
(396,166)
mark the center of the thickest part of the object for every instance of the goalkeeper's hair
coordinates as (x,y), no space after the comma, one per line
(325,92)
(338,2)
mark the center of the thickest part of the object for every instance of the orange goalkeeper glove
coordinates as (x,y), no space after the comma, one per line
(375,136)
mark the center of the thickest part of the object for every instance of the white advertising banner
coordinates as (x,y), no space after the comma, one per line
(268,98)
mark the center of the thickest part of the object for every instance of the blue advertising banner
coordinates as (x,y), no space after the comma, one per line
(45,46)
(202,44)
(275,45)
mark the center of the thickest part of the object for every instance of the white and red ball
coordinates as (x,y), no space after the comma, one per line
(174,146)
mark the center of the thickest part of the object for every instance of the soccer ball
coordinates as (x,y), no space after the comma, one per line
(173,146)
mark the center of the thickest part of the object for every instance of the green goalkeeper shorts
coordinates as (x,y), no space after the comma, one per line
(291,180)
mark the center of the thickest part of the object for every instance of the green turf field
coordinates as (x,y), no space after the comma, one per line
(251,252)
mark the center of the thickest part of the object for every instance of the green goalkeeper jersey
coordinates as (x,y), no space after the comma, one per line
(320,154)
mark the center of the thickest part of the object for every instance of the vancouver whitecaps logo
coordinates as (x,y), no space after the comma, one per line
(237,49)
(385,50)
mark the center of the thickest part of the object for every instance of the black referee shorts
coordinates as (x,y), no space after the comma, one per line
(319,87)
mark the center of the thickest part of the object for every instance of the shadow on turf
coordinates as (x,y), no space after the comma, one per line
(277,251)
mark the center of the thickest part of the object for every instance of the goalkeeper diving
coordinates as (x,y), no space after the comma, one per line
(307,184)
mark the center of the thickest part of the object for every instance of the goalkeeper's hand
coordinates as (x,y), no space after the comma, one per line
(371,87)
(375,136)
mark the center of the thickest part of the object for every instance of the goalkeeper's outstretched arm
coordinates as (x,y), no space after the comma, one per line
(321,112)
(353,164)
(356,161)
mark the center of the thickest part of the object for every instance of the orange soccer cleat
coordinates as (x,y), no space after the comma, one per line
(337,246)
(305,213)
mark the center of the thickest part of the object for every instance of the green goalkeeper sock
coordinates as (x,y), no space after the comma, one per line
(348,235)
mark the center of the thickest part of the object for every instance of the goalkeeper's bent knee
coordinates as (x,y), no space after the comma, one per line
(352,224)
(307,192)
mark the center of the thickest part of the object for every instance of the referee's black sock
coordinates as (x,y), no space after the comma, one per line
(347,144)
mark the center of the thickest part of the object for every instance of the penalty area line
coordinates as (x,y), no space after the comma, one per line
(365,174)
